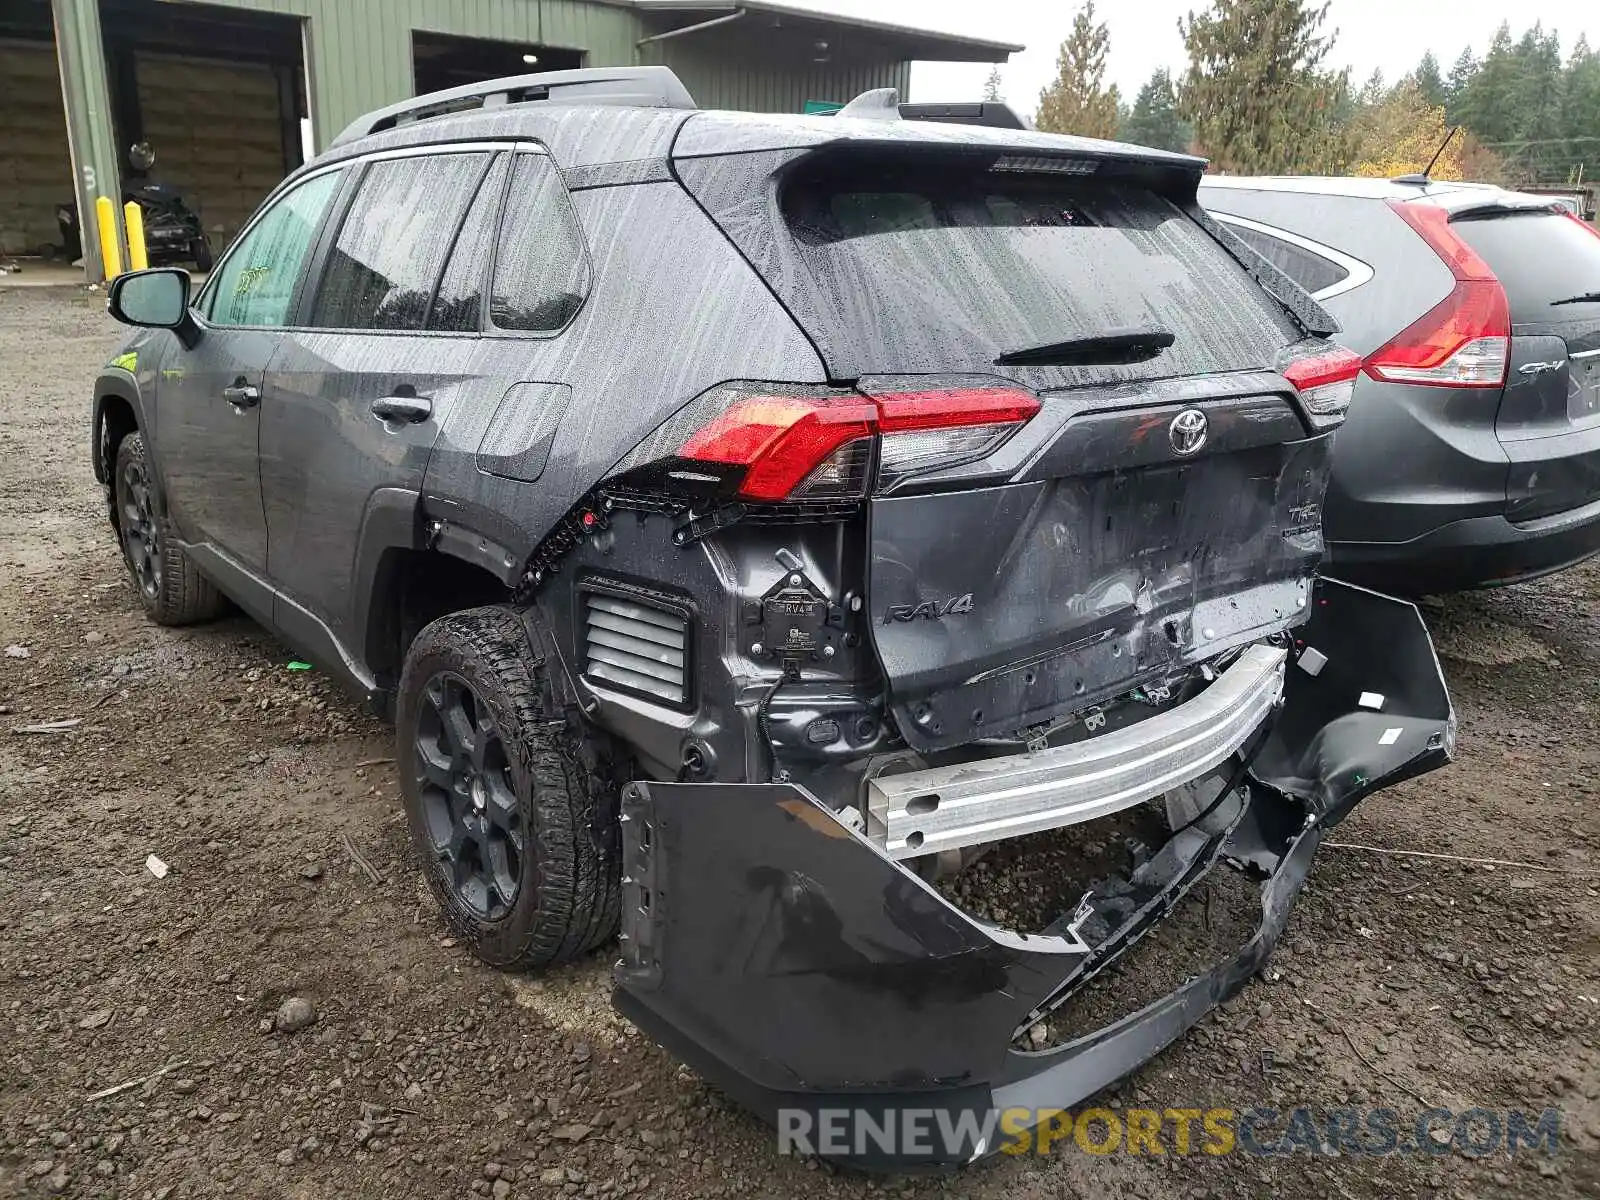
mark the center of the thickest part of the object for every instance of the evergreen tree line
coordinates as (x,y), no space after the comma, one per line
(1257,97)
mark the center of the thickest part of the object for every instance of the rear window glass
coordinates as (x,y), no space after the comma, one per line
(541,273)
(919,268)
(1540,258)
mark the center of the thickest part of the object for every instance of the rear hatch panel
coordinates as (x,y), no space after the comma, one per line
(1095,550)
(994,608)
(1549,416)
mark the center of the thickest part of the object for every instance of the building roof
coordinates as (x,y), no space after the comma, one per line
(918,43)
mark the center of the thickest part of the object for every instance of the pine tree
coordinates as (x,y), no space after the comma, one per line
(1079,101)
(991,86)
(1153,120)
(1580,113)
(1514,105)
(1374,90)
(1535,99)
(1484,103)
(1429,82)
(1257,92)
(1455,87)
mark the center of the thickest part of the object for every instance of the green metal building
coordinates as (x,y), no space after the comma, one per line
(232,94)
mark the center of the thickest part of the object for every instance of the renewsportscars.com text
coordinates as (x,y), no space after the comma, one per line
(1263,1132)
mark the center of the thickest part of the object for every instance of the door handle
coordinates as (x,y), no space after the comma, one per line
(242,395)
(400,407)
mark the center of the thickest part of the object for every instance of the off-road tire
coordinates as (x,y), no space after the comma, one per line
(170,587)
(566,778)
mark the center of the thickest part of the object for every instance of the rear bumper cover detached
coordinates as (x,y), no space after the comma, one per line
(796,965)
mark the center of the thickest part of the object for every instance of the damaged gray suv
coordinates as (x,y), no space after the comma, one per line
(748,521)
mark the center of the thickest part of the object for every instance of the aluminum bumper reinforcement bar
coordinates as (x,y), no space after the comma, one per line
(945,808)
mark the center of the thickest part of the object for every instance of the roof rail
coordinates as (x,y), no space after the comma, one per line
(640,87)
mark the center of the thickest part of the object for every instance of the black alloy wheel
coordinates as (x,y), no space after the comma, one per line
(469,799)
(141,531)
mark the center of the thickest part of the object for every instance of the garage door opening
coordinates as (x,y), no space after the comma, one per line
(217,93)
(35,163)
(441,61)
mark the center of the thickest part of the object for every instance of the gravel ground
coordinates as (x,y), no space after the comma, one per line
(402,1068)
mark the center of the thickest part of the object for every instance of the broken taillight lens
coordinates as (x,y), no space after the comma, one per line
(1464,341)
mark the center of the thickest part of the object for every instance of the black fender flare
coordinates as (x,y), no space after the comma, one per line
(122,386)
(392,521)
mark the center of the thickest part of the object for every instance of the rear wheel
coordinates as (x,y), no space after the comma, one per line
(170,587)
(200,249)
(513,809)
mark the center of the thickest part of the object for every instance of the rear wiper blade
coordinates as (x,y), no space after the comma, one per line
(1129,344)
(1586,298)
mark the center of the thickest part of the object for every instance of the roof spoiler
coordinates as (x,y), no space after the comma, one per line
(636,87)
(883,104)
(993,113)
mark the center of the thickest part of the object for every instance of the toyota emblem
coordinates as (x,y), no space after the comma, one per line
(1188,431)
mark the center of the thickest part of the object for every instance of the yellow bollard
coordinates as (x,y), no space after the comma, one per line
(110,249)
(133,220)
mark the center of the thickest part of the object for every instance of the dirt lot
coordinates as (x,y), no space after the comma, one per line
(1402,982)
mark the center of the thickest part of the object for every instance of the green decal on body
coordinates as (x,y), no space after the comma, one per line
(128,362)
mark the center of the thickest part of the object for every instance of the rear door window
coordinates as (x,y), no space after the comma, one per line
(458,305)
(384,265)
(541,272)
(921,268)
(1545,260)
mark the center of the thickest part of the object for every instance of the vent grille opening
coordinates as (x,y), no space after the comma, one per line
(636,647)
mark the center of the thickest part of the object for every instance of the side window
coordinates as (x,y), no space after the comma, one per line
(458,307)
(541,272)
(256,282)
(1307,268)
(391,248)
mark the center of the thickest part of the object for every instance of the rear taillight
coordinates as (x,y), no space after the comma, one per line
(780,440)
(817,445)
(1465,339)
(928,431)
(1326,381)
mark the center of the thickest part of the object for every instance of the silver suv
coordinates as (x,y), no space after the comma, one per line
(1471,454)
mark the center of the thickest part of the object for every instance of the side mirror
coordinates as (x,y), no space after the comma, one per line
(154,299)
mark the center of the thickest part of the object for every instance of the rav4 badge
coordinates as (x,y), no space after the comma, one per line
(931,610)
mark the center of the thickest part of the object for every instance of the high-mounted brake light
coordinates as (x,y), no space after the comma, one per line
(1326,382)
(816,444)
(1465,339)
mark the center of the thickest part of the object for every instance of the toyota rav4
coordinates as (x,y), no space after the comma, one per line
(750,520)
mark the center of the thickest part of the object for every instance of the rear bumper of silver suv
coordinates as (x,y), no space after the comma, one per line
(967,804)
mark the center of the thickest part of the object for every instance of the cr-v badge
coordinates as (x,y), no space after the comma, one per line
(1188,431)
